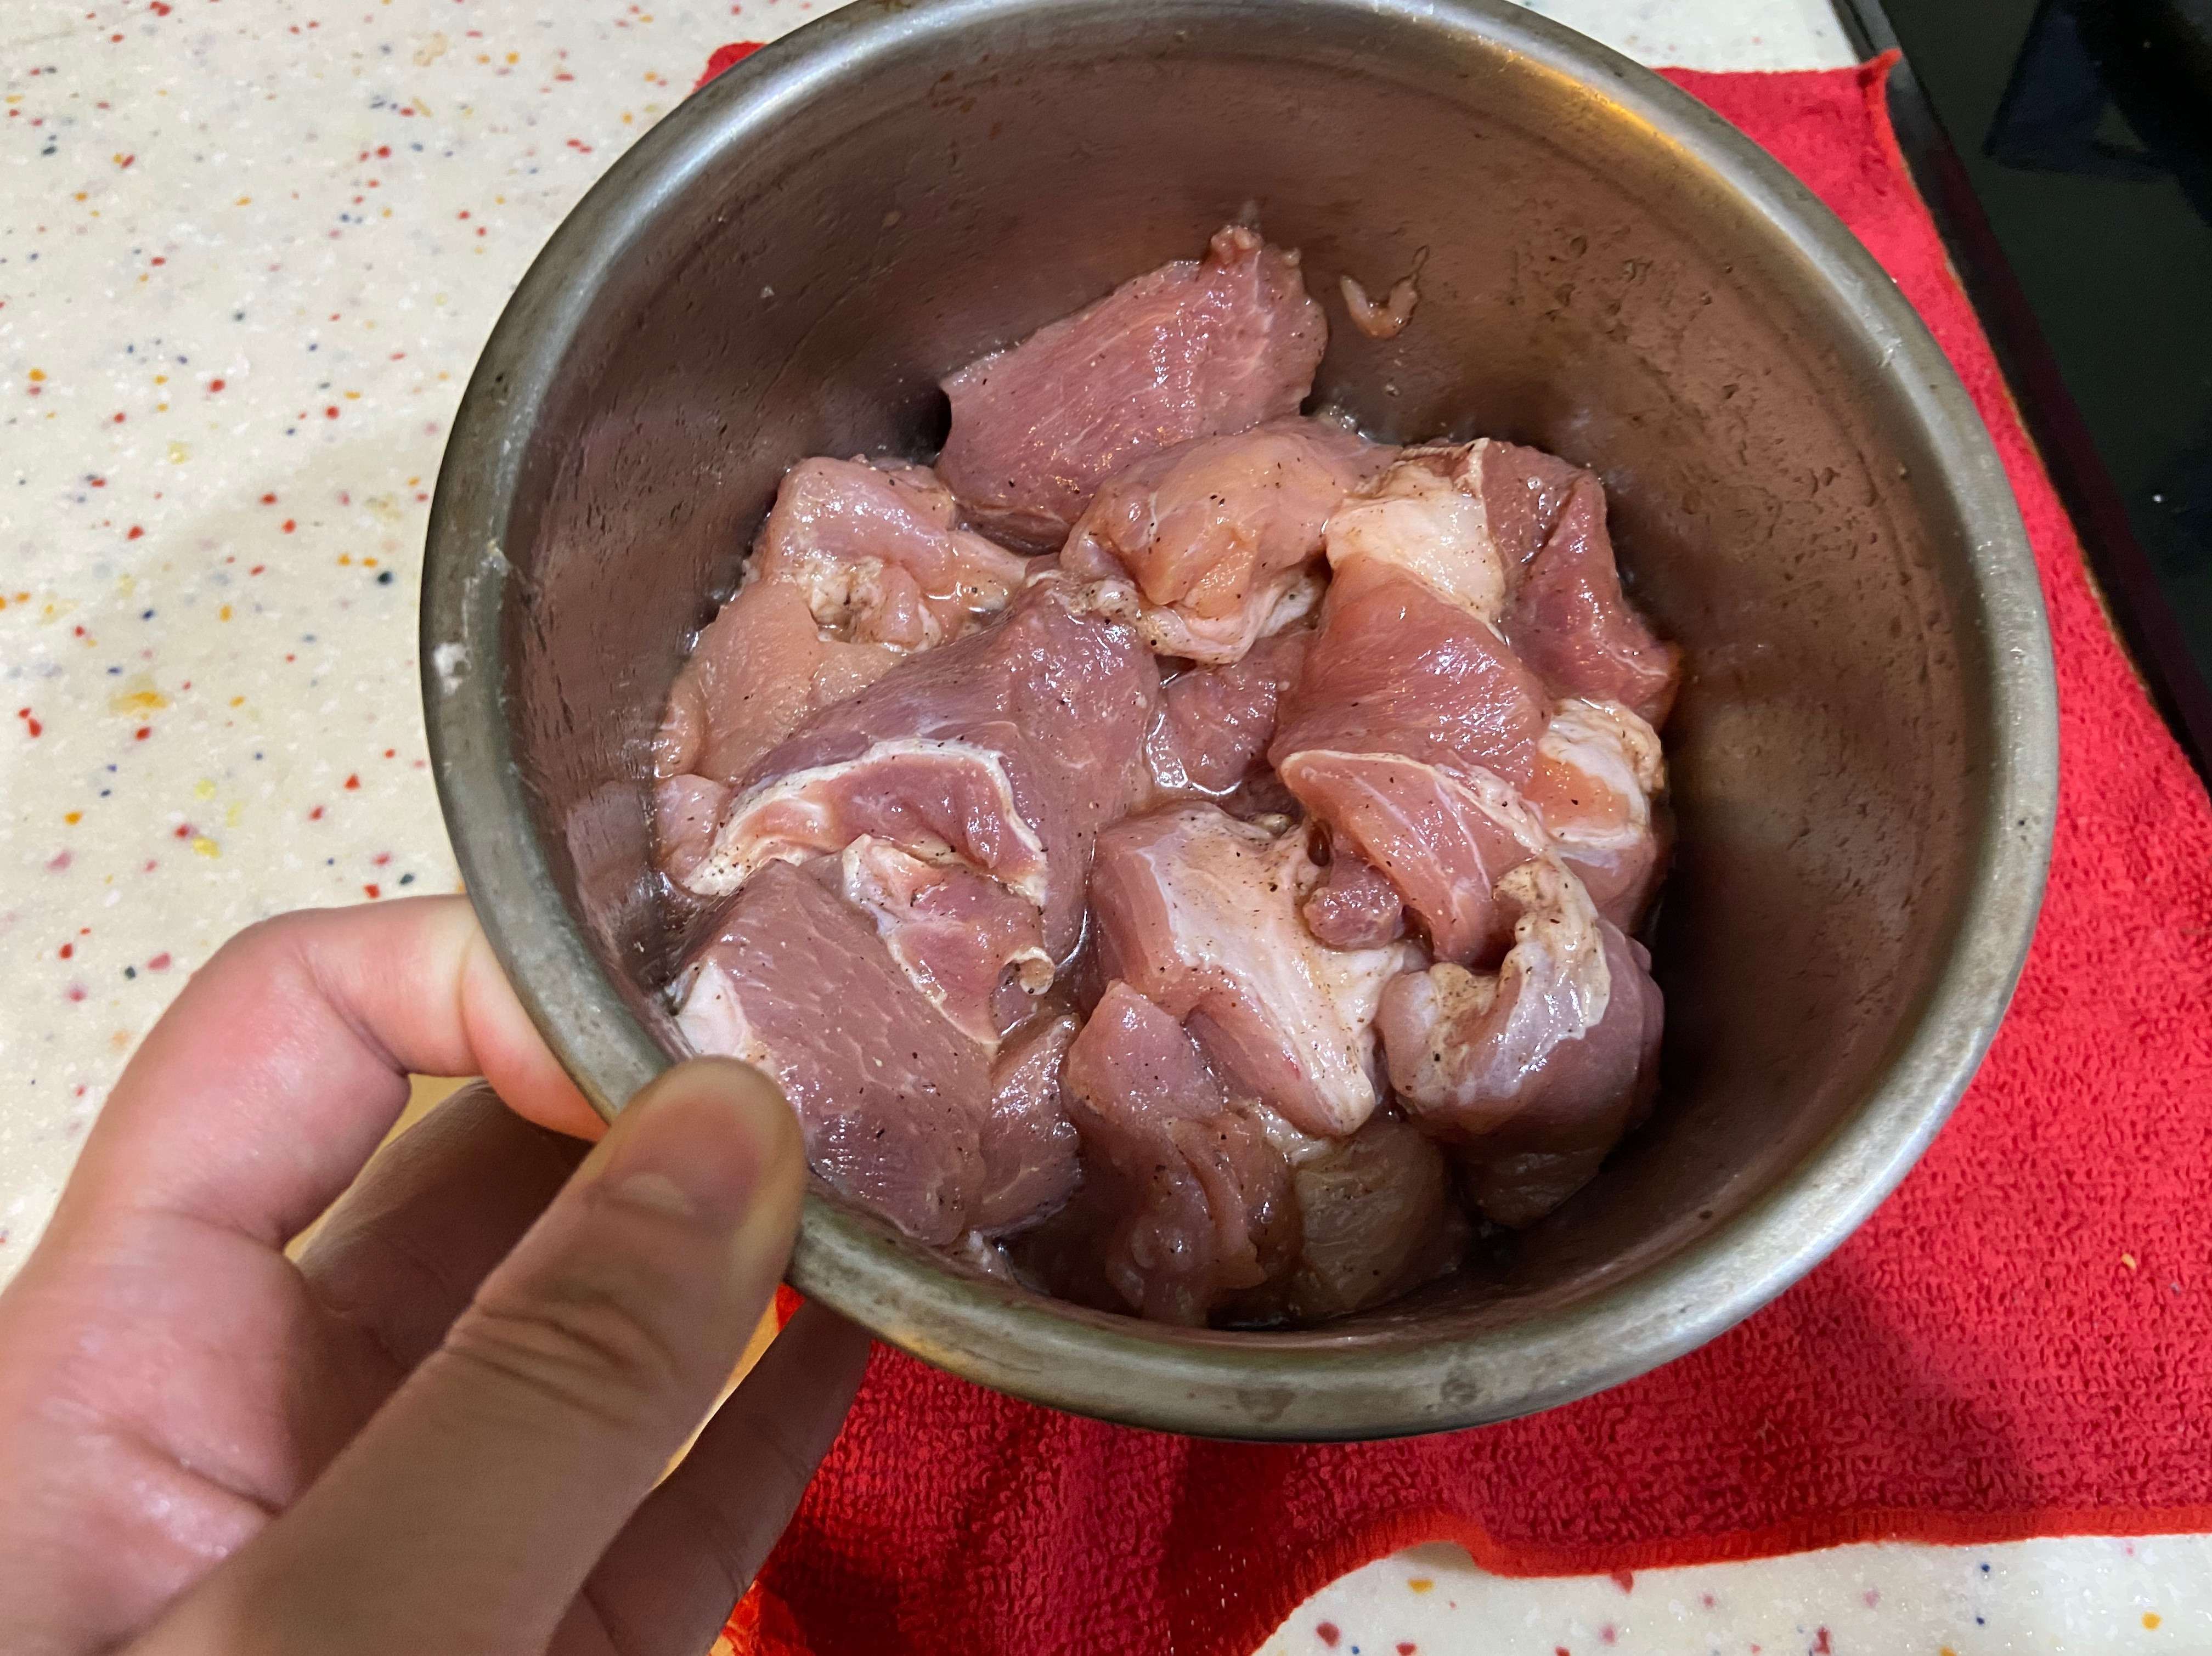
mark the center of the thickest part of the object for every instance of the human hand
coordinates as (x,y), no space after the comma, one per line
(440,1430)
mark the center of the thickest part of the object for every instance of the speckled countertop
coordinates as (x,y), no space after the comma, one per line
(249,250)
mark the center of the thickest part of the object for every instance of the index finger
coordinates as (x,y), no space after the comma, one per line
(262,1091)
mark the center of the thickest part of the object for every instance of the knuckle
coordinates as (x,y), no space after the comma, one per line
(264,939)
(275,953)
(589,1347)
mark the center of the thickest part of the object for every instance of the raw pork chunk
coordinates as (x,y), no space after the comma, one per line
(890,1095)
(1200,912)
(1184,1201)
(1408,730)
(1537,1070)
(1395,669)
(1215,723)
(878,549)
(1324,773)
(857,565)
(1198,1205)
(1516,537)
(1195,349)
(1599,770)
(1376,1217)
(1206,547)
(1007,750)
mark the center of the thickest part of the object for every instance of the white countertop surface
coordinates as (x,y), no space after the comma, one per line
(248,253)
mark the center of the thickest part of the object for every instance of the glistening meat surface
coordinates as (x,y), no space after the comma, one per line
(857,565)
(790,976)
(1599,770)
(1215,723)
(1395,669)
(1185,1201)
(878,552)
(1195,348)
(1441,835)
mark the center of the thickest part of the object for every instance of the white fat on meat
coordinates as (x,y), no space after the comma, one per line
(1207,547)
(790,978)
(973,947)
(1426,516)
(1383,318)
(877,551)
(1607,741)
(1009,747)
(1168,632)
(823,809)
(1599,767)
(857,565)
(711,1015)
(1553,987)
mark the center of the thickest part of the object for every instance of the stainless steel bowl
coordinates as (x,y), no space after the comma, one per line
(1864,755)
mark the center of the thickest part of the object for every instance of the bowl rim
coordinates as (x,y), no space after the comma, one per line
(1260,1386)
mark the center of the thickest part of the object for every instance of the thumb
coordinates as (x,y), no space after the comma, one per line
(470,1510)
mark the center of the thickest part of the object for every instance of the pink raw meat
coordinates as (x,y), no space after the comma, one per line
(1206,547)
(1376,1217)
(1440,834)
(1572,623)
(1516,536)
(974,949)
(1535,1071)
(1395,669)
(686,812)
(877,549)
(1355,906)
(929,797)
(1215,723)
(1199,912)
(1184,1200)
(857,565)
(1008,748)
(758,669)
(891,1097)
(1029,1144)
(1195,349)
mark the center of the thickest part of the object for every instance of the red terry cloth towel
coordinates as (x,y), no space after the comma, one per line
(2017,1344)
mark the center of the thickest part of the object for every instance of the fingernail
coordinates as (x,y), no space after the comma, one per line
(695,1143)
